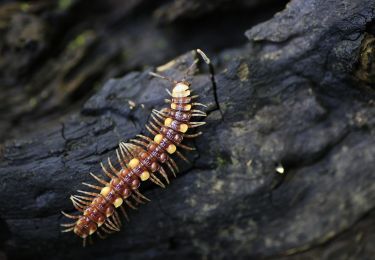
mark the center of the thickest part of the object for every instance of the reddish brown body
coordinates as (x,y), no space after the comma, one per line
(140,160)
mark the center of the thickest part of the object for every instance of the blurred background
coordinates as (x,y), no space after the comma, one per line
(285,168)
(55,54)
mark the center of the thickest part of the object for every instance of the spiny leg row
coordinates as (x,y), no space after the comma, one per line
(81,203)
(127,151)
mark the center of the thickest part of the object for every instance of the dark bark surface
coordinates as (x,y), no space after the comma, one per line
(299,95)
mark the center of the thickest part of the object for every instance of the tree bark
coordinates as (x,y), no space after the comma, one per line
(284,168)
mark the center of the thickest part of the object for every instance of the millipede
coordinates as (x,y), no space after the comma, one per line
(143,158)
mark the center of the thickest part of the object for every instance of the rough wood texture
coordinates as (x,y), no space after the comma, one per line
(299,94)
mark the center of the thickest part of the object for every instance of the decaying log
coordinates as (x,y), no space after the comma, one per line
(284,169)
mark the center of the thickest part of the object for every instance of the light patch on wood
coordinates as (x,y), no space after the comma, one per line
(249,162)
(243,72)
(132,104)
(218,186)
(366,68)
(275,55)
(166,66)
(280,169)
(192,202)
(209,207)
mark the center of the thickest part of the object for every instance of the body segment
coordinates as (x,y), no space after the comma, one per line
(141,159)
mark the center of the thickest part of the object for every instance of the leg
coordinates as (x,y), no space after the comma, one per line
(144,144)
(154,126)
(173,164)
(92,186)
(100,235)
(196,112)
(192,135)
(138,200)
(190,69)
(164,174)
(186,147)
(68,224)
(162,77)
(67,230)
(123,150)
(82,203)
(123,211)
(156,180)
(88,193)
(151,131)
(69,216)
(120,160)
(145,138)
(196,124)
(159,114)
(105,171)
(89,199)
(130,204)
(171,168)
(117,172)
(116,219)
(76,205)
(106,230)
(98,179)
(141,195)
(134,149)
(157,121)
(198,104)
(109,224)
(182,157)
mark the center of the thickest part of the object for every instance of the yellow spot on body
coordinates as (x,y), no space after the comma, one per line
(171,148)
(145,175)
(168,121)
(118,202)
(187,107)
(158,138)
(133,163)
(173,105)
(184,128)
(105,191)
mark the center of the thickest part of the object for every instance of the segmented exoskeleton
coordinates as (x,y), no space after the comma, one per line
(142,158)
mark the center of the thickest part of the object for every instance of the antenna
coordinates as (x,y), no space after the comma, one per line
(204,56)
(162,77)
